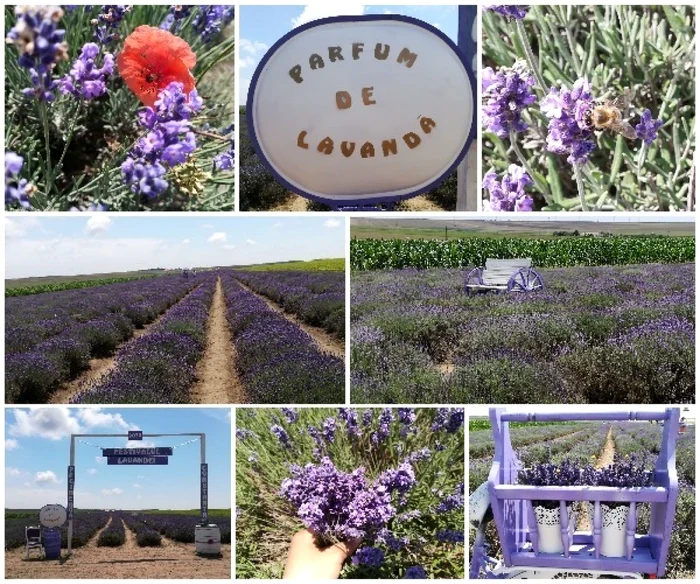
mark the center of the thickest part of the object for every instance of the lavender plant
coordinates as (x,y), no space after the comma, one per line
(584,149)
(85,138)
(400,493)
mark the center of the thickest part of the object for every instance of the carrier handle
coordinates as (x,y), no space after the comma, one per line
(587,416)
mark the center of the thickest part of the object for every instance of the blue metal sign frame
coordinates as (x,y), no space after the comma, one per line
(348,204)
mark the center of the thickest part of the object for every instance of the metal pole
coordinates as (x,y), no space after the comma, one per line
(71,488)
(204,484)
(467,193)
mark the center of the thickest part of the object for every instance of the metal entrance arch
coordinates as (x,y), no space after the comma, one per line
(203,474)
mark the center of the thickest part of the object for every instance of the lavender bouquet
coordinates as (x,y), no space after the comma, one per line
(390,479)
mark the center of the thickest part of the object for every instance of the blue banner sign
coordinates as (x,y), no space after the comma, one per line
(124,460)
(204,475)
(155,451)
(71,486)
(135,435)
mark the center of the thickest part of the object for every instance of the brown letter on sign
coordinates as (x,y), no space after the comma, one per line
(356,50)
(335,54)
(300,140)
(427,124)
(408,57)
(326,145)
(367,150)
(389,147)
(367,96)
(412,139)
(316,62)
(295,73)
(381,53)
(343,99)
(347,148)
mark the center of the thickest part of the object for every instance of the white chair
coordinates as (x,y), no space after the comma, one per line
(33,540)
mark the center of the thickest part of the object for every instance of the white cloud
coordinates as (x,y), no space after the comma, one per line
(58,423)
(332,223)
(11,444)
(100,460)
(92,471)
(140,477)
(228,247)
(250,52)
(137,486)
(45,476)
(247,61)
(185,241)
(207,226)
(98,224)
(51,423)
(251,241)
(252,47)
(218,237)
(18,228)
(277,226)
(92,417)
(114,491)
(313,12)
(13,472)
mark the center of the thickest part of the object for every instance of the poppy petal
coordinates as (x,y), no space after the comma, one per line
(151,59)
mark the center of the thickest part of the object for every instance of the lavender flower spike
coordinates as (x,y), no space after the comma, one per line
(40,44)
(647,128)
(509,194)
(86,80)
(506,94)
(567,130)
(16,190)
(509,10)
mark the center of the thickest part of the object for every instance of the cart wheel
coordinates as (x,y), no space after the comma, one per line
(525,280)
(475,277)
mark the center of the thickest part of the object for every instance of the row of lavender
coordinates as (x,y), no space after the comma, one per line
(644,442)
(181,527)
(278,362)
(159,367)
(50,338)
(584,440)
(318,298)
(85,525)
(615,334)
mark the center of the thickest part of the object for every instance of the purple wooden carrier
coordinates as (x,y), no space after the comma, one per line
(513,510)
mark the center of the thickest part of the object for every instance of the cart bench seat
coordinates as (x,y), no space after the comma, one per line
(500,275)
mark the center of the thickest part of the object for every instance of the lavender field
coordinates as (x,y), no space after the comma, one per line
(609,334)
(204,338)
(599,443)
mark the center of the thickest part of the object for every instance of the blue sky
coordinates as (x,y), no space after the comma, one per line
(37,446)
(100,243)
(262,26)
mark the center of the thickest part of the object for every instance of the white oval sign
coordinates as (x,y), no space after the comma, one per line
(53,515)
(361,108)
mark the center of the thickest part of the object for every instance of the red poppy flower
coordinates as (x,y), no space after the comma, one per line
(152,58)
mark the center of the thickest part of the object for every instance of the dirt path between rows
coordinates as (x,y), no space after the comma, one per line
(129,561)
(323,340)
(218,381)
(102,366)
(605,458)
